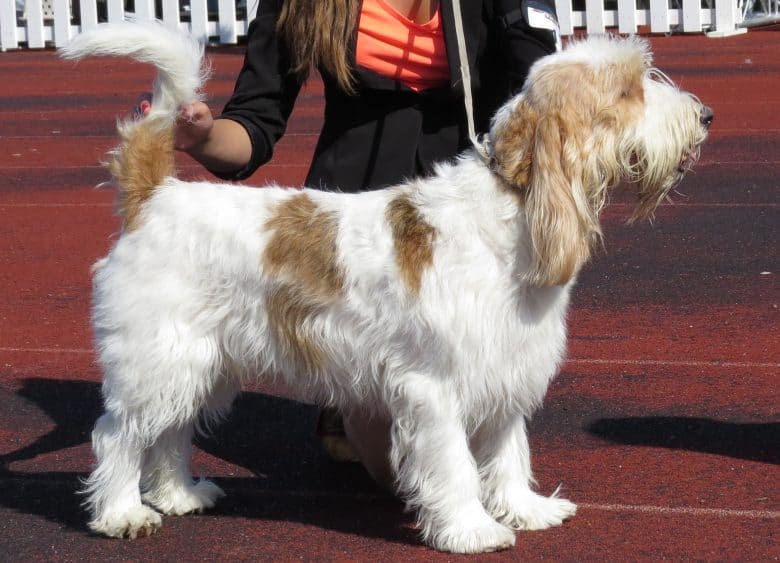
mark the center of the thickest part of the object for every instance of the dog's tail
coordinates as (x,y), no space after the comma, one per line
(145,156)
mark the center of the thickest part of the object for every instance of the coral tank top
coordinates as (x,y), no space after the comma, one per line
(392,45)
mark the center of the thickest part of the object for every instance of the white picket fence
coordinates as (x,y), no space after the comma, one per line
(47,23)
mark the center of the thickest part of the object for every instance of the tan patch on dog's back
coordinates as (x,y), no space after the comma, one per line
(413,241)
(302,252)
(140,164)
(303,246)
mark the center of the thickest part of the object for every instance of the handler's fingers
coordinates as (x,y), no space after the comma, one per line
(193,126)
(195,112)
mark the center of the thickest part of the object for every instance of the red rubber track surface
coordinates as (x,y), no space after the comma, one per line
(663,424)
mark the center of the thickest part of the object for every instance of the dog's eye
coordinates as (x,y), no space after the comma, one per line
(625,94)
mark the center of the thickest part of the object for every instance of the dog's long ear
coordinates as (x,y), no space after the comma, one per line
(562,225)
(513,141)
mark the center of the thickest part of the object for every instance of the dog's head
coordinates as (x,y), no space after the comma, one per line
(589,116)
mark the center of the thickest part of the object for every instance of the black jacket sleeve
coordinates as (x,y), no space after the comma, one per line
(265,90)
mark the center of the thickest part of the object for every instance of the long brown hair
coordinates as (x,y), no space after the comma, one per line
(319,34)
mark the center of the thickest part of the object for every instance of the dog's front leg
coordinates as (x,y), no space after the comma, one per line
(436,472)
(505,467)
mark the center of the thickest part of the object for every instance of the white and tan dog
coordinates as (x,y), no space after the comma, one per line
(439,303)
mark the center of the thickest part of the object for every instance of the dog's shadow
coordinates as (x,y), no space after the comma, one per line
(271,437)
(293,479)
(749,441)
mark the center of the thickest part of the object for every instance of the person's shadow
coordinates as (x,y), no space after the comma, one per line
(272,437)
(749,441)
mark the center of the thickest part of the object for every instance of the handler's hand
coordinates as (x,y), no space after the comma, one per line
(193,126)
(221,145)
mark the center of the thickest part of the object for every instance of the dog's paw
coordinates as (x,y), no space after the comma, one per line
(473,535)
(178,500)
(532,511)
(129,523)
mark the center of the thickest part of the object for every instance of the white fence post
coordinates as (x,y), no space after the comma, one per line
(727,16)
(564,10)
(594,16)
(89,15)
(144,9)
(115,10)
(659,16)
(62,31)
(171,15)
(35,30)
(627,16)
(691,16)
(199,20)
(8,25)
(228,32)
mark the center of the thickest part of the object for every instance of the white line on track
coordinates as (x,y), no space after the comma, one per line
(48,350)
(685,510)
(684,363)
(573,361)
(48,205)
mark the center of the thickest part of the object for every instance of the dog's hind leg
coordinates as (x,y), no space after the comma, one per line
(113,497)
(156,383)
(504,459)
(436,472)
(166,478)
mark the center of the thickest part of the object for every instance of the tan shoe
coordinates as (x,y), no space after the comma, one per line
(330,429)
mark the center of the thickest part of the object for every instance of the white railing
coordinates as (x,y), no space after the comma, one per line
(45,23)
(760,12)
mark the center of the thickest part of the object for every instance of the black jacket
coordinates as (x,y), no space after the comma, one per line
(387,132)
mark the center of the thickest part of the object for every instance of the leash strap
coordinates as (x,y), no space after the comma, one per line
(481,146)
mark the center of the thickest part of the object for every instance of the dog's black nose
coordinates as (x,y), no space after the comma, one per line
(706,117)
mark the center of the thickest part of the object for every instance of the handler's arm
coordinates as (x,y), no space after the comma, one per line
(261,103)
(221,145)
